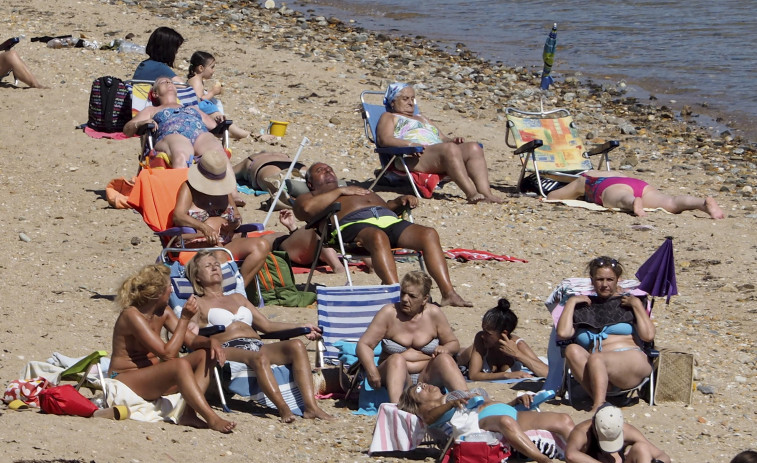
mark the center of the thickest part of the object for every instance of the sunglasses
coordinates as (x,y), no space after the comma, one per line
(602,262)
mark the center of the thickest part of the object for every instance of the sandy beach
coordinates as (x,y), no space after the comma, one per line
(66,250)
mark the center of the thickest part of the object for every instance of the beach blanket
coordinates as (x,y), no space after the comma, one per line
(464,255)
(594,207)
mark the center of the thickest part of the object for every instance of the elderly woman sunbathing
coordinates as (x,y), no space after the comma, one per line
(462,161)
(181,131)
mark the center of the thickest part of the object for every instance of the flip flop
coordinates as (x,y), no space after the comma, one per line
(19,405)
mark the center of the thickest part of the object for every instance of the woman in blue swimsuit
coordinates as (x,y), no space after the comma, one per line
(416,339)
(182,131)
(436,409)
(608,329)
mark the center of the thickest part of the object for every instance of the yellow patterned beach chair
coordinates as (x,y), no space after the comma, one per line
(550,148)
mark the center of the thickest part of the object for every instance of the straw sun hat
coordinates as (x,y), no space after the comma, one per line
(212,175)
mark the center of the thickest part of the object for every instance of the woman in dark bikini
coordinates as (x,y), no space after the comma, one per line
(416,339)
(241,342)
(616,190)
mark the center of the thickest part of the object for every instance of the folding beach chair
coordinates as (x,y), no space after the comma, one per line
(555,350)
(237,377)
(371,113)
(549,146)
(148,157)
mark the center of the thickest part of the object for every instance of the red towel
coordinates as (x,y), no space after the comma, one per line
(471,254)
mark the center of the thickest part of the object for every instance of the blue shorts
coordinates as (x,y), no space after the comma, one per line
(498,409)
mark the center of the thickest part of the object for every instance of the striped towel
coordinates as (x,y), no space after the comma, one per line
(244,382)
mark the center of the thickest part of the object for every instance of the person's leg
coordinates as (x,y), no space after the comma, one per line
(577,357)
(237,133)
(513,433)
(253,252)
(626,369)
(178,148)
(558,423)
(205,143)
(441,371)
(640,452)
(572,190)
(10,61)
(394,376)
(475,165)
(260,363)
(292,352)
(426,240)
(446,159)
(375,241)
(172,376)
(652,198)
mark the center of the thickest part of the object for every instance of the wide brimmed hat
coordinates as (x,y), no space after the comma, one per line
(212,175)
(608,423)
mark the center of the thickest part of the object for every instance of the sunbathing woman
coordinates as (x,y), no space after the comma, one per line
(181,131)
(151,367)
(241,342)
(616,190)
(462,161)
(608,329)
(436,409)
(498,354)
(416,339)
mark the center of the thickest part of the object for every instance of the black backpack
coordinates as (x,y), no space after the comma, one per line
(109,105)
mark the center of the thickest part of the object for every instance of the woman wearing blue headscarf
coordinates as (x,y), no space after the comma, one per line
(462,161)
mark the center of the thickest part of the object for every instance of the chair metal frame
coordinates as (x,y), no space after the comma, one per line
(528,151)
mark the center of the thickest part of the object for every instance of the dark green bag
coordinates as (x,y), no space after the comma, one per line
(277,284)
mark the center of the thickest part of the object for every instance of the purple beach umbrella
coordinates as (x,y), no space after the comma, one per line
(658,274)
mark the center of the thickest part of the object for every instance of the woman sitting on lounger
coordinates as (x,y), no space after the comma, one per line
(151,367)
(241,342)
(435,409)
(462,161)
(416,339)
(496,353)
(608,330)
(182,132)
(614,189)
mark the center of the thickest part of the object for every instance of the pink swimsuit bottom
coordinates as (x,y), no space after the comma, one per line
(595,186)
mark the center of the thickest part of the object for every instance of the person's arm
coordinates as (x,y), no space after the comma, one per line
(476,363)
(576,447)
(632,436)
(177,327)
(445,138)
(644,327)
(448,342)
(209,122)
(310,204)
(398,203)
(196,83)
(529,359)
(431,415)
(181,217)
(142,118)
(565,329)
(367,343)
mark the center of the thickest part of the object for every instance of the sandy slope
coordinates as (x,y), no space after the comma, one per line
(51,189)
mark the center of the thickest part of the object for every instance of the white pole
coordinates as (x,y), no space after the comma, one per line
(275,199)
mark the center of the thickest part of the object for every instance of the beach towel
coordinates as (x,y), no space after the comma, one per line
(464,255)
(111,135)
(167,408)
(154,196)
(595,207)
(117,192)
(244,382)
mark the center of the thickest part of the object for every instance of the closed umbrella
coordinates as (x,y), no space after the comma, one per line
(549,58)
(658,274)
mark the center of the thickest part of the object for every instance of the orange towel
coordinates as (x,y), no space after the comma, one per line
(154,196)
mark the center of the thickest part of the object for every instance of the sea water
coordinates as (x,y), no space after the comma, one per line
(695,52)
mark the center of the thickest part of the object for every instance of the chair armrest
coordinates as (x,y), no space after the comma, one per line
(286,334)
(221,127)
(143,129)
(328,212)
(176,231)
(211,330)
(400,150)
(604,148)
(250,227)
(528,147)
